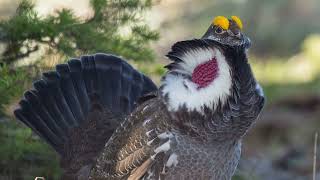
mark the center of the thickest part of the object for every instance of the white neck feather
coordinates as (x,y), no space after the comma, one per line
(182,91)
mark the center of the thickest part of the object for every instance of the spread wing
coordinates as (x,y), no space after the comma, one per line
(143,139)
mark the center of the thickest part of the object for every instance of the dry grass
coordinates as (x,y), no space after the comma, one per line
(315,156)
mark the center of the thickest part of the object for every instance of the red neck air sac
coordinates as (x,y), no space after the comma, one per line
(205,73)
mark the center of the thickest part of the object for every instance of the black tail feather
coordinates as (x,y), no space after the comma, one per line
(126,88)
(60,99)
(36,123)
(68,90)
(106,71)
(75,68)
(50,104)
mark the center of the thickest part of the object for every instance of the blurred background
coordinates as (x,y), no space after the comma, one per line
(285,56)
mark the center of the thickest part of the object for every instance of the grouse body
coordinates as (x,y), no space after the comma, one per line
(109,121)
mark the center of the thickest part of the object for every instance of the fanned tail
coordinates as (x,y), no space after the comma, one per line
(81,103)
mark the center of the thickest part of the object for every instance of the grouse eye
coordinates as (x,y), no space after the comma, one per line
(219,30)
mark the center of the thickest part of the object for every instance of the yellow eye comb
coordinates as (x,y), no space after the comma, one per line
(221,21)
(238,21)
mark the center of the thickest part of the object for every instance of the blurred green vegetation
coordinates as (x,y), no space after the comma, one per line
(12,83)
(301,67)
(23,155)
(300,74)
(65,33)
(276,28)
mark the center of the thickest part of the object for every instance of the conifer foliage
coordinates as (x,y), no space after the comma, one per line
(65,33)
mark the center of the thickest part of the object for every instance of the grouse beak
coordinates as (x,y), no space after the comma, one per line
(236,35)
(208,34)
(243,39)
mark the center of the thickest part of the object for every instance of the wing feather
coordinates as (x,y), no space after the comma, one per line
(132,148)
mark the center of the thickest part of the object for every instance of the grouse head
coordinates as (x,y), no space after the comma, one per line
(204,73)
(227,31)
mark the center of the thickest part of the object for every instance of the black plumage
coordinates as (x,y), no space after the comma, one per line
(109,121)
(62,101)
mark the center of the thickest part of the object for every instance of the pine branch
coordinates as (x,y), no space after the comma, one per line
(72,36)
(9,58)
